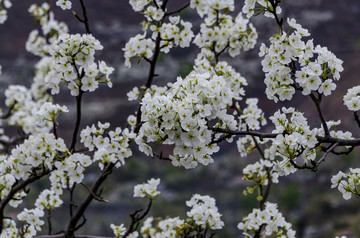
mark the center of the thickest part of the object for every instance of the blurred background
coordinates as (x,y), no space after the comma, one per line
(305,198)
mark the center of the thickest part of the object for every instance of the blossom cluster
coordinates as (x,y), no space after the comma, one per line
(318,66)
(295,142)
(35,155)
(112,147)
(148,189)
(203,215)
(268,222)
(263,6)
(32,218)
(179,114)
(74,65)
(9,229)
(347,183)
(64,4)
(252,117)
(259,172)
(39,43)
(38,151)
(4,6)
(173,33)
(220,30)
(26,110)
(170,227)
(352,99)
(204,212)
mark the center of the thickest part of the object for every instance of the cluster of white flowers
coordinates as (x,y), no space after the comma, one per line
(39,44)
(4,6)
(112,148)
(50,111)
(352,99)
(252,117)
(9,229)
(38,151)
(69,171)
(209,8)
(180,114)
(263,6)
(64,4)
(203,215)
(347,183)
(171,34)
(48,199)
(148,189)
(138,46)
(170,227)
(270,221)
(221,31)
(33,221)
(204,212)
(27,109)
(318,66)
(295,141)
(74,64)
(258,173)
(119,231)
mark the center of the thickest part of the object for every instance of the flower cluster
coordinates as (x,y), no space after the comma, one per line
(318,66)
(48,199)
(352,99)
(295,142)
(209,8)
(69,171)
(203,215)
(138,46)
(148,189)
(9,229)
(269,222)
(263,6)
(170,34)
(39,44)
(64,4)
(347,183)
(204,212)
(4,6)
(27,110)
(180,114)
(112,148)
(252,117)
(33,221)
(170,227)
(74,64)
(221,31)
(119,231)
(259,173)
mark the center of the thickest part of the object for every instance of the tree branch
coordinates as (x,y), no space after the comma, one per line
(17,188)
(86,202)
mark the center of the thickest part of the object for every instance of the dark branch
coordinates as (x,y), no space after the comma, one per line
(86,202)
(177,11)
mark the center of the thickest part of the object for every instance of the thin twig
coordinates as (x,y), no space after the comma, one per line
(176,11)
(86,20)
(72,226)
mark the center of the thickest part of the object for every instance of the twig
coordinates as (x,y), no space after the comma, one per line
(176,11)
(357,119)
(86,20)
(16,189)
(72,226)
(136,217)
